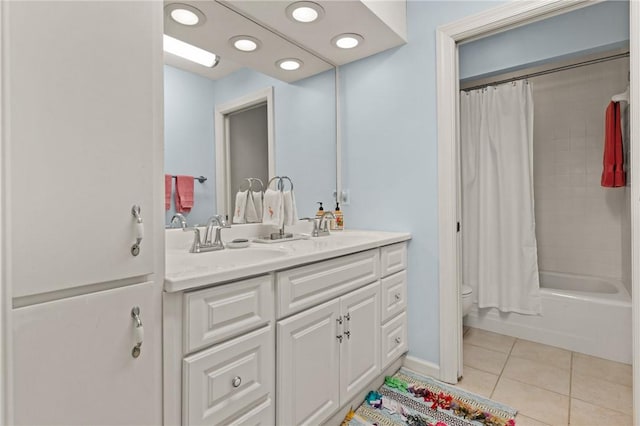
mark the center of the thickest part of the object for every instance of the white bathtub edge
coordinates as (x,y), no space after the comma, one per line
(492,322)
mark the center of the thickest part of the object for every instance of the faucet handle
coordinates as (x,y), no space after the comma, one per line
(316,225)
(195,247)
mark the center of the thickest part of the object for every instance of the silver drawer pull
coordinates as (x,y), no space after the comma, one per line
(236,381)
(135,248)
(398,340)
(139,331)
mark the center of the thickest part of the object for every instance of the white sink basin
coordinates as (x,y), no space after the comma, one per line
(226,258)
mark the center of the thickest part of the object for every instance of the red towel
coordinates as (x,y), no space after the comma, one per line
(613,162)
(184,194)
(167,191)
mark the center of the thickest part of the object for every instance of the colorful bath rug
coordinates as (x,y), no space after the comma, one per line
(407,398)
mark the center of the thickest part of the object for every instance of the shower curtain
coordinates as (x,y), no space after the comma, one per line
(499,252)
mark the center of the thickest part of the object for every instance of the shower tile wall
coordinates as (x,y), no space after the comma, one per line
(579,224)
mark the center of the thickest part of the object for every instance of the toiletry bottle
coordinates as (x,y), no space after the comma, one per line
(320,211)
(339,222)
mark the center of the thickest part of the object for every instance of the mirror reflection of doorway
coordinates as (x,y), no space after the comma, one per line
(248,146)
(244,145)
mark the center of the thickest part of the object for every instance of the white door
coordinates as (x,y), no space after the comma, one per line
(83,114)
(73,363)
(360,351)
(308,386)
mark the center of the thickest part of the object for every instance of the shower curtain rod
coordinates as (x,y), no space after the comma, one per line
(550,71)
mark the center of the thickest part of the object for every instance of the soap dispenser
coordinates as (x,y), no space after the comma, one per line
(338,223)
(320,212)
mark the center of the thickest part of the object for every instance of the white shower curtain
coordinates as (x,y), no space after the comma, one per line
(499,252)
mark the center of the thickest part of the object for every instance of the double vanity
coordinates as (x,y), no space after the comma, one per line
(284,333)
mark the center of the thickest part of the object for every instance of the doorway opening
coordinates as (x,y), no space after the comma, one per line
(244,145)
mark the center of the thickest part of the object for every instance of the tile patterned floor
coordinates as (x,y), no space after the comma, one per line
(548,385)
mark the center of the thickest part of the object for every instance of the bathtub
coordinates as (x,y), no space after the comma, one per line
(585,314)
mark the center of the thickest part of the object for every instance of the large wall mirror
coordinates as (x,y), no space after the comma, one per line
(303,129)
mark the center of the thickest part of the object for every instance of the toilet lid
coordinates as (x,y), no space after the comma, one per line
(466,290)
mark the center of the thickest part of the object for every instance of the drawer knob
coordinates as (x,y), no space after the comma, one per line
(236,381)
(397,296)
(398,340)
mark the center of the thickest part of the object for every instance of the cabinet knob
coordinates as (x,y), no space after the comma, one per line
(398,340)
(236,381)
(397,296)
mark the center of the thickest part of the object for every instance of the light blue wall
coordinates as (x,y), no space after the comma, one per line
(390,149)
(390,154)
(601,27)
(189,137)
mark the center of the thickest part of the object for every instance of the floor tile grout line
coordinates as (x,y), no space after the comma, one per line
(570,386)
(506,361)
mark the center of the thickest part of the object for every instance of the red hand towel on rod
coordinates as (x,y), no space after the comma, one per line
(613,161)
(184,194)
(167,191)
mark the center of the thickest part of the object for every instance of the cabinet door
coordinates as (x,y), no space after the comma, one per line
(360,351)
(83,110)
(308,365)
(73,363)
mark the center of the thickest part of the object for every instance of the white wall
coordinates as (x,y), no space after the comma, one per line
(579,224)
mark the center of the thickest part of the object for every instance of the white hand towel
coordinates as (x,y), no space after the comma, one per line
(251,212)
(241,206)
(273,213)
(257,202)
(290,210)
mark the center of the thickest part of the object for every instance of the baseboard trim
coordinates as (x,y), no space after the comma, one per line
(423,367)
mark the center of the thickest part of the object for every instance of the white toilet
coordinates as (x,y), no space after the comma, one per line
(467,299)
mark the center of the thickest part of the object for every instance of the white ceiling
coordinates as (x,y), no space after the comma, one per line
(282,37)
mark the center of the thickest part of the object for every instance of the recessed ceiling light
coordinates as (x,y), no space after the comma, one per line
(305,11)
(347,41)
(245,43)
(289,64)
(185,14)
(189,52)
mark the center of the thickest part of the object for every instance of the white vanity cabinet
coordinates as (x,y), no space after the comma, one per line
(394,303)
(289,347)
(326,354)
(227,370)
(331,348)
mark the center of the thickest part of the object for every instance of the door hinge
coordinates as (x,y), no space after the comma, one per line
(458,227)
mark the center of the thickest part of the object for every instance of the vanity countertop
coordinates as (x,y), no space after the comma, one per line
(186,270)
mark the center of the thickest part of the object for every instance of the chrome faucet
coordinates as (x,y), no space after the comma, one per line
(221,223)
(199,246)
(320,225)
(324,225)
(179,217)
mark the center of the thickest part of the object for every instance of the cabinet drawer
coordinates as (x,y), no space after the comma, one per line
(310,285)
(393,259)
(218,313)
(394,295)
(394,339)
(219,383)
